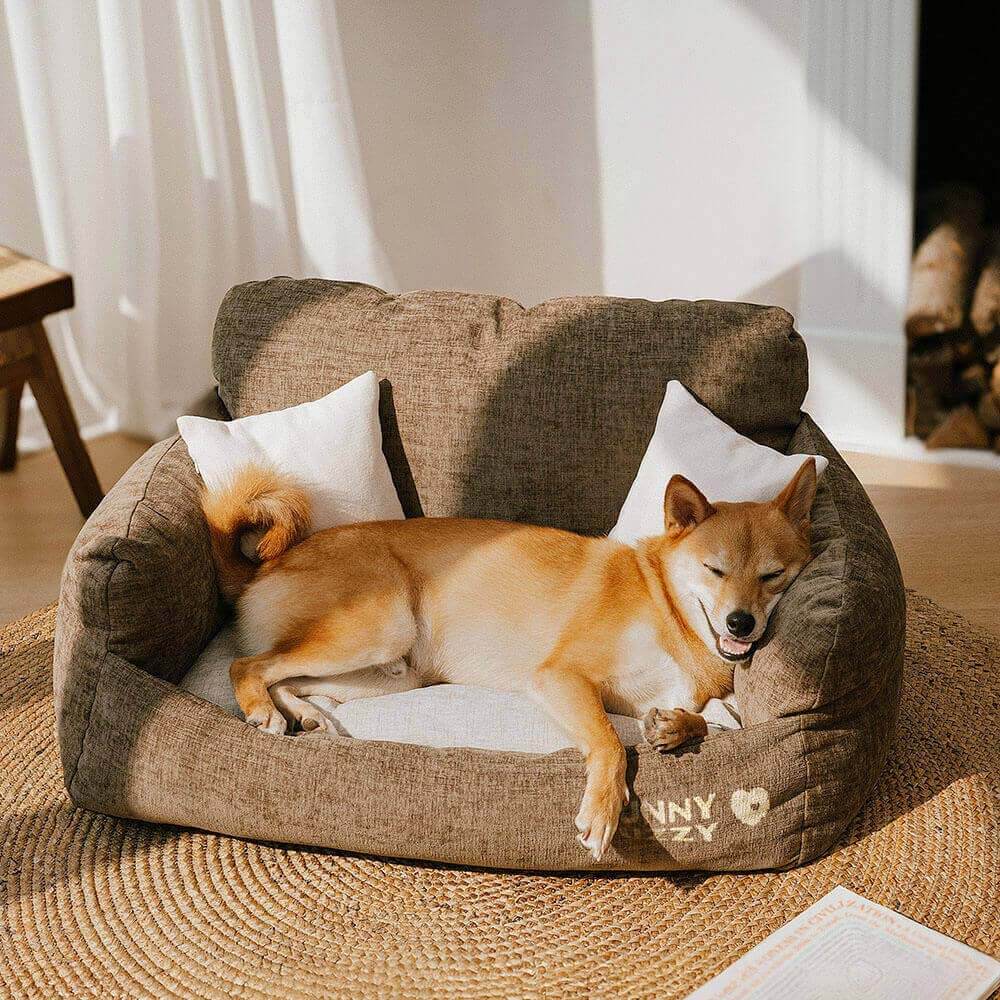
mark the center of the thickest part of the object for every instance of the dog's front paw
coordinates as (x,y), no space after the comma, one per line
(597,819)
(268,720)
(668,728)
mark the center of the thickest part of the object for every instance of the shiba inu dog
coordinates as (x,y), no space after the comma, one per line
(584,625)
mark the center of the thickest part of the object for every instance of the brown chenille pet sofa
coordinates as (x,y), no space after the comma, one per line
(488,410)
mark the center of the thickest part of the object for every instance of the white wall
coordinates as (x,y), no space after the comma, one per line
(700,113)
(632,147)
(477,126)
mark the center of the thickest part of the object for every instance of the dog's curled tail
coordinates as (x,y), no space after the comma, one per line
(258,500)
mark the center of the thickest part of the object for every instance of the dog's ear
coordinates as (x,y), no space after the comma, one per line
(684,506)
(796,499)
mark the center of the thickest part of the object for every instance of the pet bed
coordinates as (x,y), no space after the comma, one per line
(488,410)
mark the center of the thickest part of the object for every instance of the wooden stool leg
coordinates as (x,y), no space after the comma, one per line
(10,418)
(48,389)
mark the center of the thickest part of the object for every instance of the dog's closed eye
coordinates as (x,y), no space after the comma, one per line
(773,575)
(713,569)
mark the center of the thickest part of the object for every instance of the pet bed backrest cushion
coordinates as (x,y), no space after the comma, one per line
(539,415)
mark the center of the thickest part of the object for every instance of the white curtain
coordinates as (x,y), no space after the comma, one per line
(162,152)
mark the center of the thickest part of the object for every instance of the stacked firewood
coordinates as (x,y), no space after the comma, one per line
(953,324)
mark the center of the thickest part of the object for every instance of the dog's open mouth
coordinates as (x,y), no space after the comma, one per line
(729,648)
(733,649)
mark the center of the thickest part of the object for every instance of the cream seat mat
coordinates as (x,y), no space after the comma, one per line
(443,715)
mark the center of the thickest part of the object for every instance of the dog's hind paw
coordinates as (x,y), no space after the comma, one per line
(268,720)
(313,720)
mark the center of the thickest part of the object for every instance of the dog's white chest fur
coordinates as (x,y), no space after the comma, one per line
(647,677)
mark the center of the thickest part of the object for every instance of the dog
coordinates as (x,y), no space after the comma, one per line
(584,625)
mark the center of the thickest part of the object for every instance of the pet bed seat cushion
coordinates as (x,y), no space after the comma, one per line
(691,441)
(488,409)
(442,715)
(332,447)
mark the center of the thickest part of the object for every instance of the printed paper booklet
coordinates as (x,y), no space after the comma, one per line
(847,948)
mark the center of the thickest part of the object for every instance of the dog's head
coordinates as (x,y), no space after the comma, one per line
(729,563)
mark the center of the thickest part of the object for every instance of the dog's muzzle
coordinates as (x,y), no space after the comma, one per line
(727,646)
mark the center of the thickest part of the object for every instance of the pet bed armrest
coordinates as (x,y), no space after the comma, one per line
(836,638)
(833,656)
(139,585)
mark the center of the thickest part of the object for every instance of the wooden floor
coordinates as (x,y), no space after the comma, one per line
(944,522)
(39,520)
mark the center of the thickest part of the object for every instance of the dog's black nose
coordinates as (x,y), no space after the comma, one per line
(740,623)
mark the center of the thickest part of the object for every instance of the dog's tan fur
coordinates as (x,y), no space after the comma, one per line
(585,625)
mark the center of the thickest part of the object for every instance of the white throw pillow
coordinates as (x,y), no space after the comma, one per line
(692,441)
(332,447)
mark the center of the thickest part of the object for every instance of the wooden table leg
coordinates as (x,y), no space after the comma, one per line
(50,394)
(10,418)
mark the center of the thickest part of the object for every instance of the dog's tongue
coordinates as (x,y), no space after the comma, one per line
(735,647)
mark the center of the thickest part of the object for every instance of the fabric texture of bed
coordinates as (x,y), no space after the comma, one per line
(487,409)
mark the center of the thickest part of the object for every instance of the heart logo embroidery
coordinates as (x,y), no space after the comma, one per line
(750,807)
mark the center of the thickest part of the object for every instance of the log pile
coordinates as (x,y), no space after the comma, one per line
(953,324)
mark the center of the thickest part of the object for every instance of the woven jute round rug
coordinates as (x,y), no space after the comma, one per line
(94,906)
